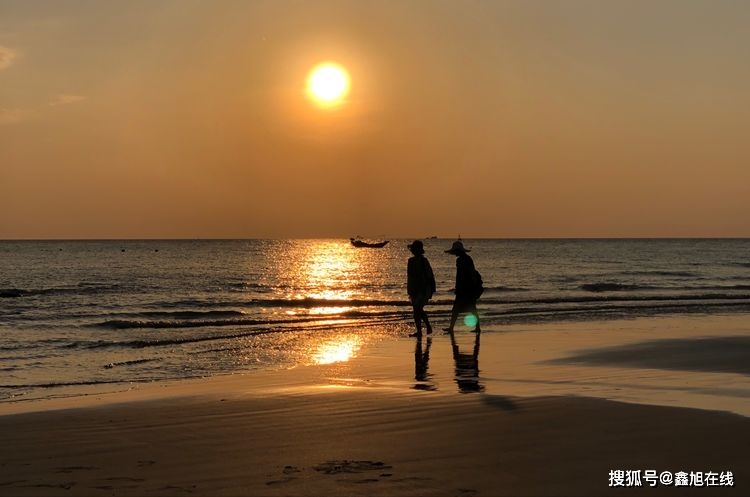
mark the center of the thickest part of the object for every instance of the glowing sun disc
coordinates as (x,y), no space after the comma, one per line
(328,83)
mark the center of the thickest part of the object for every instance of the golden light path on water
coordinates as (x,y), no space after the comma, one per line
(323,276)
(327,271)
(340,349)
(328,267)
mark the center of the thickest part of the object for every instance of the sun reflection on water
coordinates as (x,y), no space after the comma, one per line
(329,310)
(326,271)
(321,274)
(339,349)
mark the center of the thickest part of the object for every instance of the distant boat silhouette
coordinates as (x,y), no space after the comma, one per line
(362,244)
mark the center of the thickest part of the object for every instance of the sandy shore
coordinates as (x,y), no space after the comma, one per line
(552,411)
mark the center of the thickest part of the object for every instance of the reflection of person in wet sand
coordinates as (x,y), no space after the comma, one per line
(421,364)
(467,366)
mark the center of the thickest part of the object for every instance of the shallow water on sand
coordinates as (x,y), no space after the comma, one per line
(107,312)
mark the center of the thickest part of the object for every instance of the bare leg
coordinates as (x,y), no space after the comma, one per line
(476,315)
(426,321)
(418,311)
(454,317)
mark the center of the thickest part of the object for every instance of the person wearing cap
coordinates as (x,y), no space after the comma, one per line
(466,298)
(420,285)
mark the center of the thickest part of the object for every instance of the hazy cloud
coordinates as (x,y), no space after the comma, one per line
(63,99)
(6,57)
(12,116)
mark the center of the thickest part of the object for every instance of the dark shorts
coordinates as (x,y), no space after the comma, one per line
(464,304)
(420,300)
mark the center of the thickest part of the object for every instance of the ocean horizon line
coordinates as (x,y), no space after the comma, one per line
(509,238)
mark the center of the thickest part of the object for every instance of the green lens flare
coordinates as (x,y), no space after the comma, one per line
(470,320)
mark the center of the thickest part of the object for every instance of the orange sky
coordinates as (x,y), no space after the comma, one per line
(182,119)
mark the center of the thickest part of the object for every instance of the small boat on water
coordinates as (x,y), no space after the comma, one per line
(362,244)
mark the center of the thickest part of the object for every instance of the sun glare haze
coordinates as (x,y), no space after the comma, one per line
(192,119)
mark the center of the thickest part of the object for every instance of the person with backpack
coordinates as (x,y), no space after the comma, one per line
(468,286)
(420,285)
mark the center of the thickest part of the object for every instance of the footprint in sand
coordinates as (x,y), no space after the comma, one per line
(70,469)
(286,479)
(413,478)
(124,478)
(189,489)
(66,485)
(346,466)
(287,471)
(367,480)
(12,482)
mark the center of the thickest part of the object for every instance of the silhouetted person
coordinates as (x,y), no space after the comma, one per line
(467,366)
(421,362)
(420,285)
(467,286)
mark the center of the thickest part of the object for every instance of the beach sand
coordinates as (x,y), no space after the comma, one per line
(553,410)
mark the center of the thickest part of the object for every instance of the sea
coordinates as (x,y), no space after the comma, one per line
(117,312)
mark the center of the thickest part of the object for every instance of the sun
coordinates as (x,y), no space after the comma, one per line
(328,84)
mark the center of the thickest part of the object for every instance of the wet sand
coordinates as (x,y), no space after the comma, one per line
(555,409)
